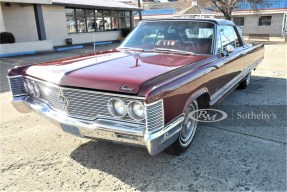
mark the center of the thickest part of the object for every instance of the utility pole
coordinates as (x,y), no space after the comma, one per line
(140,12)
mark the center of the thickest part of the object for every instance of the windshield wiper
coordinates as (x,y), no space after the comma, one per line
(131,49)
(165,50)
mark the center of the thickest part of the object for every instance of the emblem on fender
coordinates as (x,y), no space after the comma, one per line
(126,88)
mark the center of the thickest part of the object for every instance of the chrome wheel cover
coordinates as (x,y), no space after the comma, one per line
(188,126)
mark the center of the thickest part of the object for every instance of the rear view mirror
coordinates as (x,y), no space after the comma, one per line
(229,48)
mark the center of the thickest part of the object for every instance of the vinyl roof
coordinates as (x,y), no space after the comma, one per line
(216,21)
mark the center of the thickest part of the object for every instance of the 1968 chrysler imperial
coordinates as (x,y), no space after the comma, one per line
(144,91)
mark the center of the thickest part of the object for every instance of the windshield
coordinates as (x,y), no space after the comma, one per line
(185,36)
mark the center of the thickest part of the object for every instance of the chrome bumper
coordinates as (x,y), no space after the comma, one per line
(103,129)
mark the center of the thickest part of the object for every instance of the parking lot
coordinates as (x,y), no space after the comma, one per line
(36,155)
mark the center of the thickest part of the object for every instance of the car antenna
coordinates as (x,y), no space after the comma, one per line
(94,43)
(94,46)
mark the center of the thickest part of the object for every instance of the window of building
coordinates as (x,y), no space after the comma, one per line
(81,20)
(71,21)
(90,15)
(239,21)
(99,20)
(264,20)
(90,20)
(107,20)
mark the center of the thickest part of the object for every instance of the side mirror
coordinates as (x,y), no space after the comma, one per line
(247,45)
(229,48)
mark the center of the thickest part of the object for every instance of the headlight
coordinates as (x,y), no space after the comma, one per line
(117,107)
(136,110)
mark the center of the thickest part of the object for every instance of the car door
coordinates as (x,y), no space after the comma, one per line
(234,62)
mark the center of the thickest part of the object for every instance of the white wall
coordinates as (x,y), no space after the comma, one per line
(55,24)
(98,36)
(25,47)
(20,20)
(2,26)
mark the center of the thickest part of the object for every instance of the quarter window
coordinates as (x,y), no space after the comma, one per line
(228,36)
(264,20)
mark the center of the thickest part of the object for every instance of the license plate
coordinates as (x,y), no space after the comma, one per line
(71,129)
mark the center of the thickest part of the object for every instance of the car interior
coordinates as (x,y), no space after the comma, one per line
(192,37)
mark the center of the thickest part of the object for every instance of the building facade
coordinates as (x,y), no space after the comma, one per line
(267,17)
(54,21)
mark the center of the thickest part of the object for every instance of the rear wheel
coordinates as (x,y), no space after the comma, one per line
(244,84)
(186,135)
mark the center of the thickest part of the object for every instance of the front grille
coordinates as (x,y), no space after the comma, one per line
(51,95)
(89,105)
(17,86)
(155,116)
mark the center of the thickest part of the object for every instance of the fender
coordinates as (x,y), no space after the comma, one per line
(195,96)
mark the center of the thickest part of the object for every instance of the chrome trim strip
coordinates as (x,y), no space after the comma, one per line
(11,77)
(221,92)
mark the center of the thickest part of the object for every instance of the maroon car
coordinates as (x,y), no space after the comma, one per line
(145,91)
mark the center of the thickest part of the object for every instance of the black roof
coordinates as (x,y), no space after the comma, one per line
(216,21)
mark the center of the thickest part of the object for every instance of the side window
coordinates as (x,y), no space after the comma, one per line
(228,36)
(219,44)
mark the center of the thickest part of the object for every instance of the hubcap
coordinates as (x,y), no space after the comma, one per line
(188,126)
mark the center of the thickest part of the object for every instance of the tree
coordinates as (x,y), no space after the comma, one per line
(226,7)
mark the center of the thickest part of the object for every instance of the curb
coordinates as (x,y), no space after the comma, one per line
(69,48)
(18,54)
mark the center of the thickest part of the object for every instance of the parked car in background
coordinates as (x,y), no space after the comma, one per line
(144,92)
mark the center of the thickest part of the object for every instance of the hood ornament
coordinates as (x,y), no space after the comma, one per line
(126,88)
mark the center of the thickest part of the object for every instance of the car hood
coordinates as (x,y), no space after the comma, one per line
(112,71)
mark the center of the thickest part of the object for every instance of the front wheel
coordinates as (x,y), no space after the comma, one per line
(186,135)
